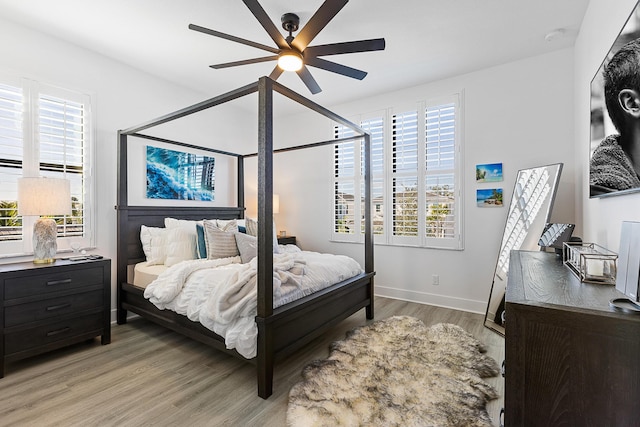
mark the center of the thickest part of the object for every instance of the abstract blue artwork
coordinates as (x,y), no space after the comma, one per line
(180,176)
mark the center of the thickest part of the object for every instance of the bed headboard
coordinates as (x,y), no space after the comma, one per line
(130,219)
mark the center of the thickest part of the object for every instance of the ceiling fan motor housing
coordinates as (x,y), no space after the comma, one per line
(290,22)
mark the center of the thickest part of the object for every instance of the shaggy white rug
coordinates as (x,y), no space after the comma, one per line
(397,372)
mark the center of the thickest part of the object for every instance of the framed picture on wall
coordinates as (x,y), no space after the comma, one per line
(489,172)
(489,198)
(179,175)
(614,146)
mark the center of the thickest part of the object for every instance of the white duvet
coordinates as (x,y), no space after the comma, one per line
(222,294)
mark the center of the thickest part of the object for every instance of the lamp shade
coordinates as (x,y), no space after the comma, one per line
(290,61)
(276,204)
(44,196)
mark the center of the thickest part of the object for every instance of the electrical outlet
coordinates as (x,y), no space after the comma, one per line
(435,280)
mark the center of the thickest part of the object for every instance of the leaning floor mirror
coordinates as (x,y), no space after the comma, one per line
(529,212)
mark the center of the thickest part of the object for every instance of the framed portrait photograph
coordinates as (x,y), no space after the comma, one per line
(614,150)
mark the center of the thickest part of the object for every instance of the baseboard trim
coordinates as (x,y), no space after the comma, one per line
(472,306)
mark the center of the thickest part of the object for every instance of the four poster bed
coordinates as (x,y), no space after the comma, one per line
(282,329)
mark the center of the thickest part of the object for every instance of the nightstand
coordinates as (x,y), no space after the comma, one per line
(49,306)
(287,240)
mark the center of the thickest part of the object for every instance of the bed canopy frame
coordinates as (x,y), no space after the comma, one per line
(281,330)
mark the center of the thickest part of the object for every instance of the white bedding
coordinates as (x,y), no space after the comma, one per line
(222,294)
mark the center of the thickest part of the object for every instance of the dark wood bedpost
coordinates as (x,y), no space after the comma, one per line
(368,226)
(265,237)
(240,182)
(121,214)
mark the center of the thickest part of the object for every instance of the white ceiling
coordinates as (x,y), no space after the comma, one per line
(426,40)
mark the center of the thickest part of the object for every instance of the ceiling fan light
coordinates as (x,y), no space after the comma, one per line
(290,61)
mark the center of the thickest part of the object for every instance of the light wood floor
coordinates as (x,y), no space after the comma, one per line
(149,375)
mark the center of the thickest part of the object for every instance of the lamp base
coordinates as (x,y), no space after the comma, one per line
(45,247)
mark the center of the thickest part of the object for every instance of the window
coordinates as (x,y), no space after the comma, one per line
(349,181)
(44,131)
(416,176)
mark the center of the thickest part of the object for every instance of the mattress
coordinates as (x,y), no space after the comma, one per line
(143,273)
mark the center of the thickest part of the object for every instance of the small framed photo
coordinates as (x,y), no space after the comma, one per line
(489,197)
(490,172)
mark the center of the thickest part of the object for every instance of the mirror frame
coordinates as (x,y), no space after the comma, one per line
(537,228)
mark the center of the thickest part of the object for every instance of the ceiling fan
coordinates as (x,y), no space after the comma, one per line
(294,53)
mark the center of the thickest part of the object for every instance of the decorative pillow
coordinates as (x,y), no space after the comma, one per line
(200,242)
(247,246)
(220,243)
(153,241)
(181,245)
(230,226)
(184,223)
(252,227)
(252,230)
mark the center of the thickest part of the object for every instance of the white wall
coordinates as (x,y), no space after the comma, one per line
(123,97)
(601,218)
(520,114)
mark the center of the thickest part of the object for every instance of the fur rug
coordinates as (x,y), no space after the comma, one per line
(397,372)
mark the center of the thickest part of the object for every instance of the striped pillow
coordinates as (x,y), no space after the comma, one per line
(220,243)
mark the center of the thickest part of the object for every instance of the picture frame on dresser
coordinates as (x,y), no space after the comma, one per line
(611,162)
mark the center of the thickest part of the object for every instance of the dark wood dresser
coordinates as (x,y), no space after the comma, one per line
(45,307)
(571,359)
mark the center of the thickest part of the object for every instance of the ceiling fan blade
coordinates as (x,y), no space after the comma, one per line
(244,62)
(266,23)
(232,38)
(318,21)
(308,80)
(346,47)
(336,68)
(277,72)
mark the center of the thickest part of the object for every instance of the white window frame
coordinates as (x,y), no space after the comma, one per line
(456,242)
(32,90)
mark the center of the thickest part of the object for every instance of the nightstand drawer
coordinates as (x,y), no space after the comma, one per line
(49,308)
(52,282)
(40,336)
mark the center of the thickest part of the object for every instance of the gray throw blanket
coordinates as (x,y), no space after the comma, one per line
(611,168)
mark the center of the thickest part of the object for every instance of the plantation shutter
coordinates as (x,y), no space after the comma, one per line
(404,165)
(344,183)
(440,123)
(62,134)
(375,127)
(11,156)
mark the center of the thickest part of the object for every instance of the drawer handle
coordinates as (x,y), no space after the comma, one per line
(502,370)
(59,282)
(58,307)
(501,417)
(59,331)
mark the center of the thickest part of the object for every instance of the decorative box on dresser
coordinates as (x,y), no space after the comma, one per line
(571,359)
(48,306)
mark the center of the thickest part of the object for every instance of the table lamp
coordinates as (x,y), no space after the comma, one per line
(44,196)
